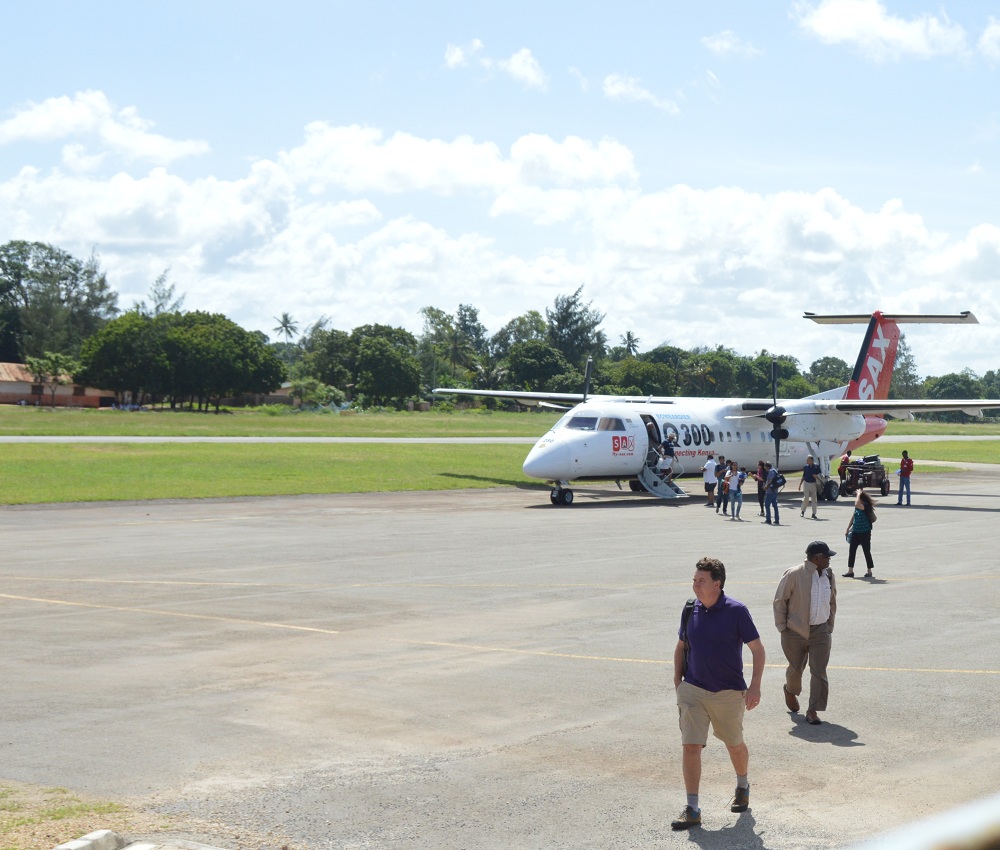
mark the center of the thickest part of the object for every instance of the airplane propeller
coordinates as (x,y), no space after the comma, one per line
(776,414)
(586,378)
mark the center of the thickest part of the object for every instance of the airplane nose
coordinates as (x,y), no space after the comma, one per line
(548,461)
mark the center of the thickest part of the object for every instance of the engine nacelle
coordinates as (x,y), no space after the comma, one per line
(834,427)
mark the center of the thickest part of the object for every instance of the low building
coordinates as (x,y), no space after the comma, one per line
(18,386)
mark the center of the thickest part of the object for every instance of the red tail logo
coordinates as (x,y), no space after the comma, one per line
(873,371)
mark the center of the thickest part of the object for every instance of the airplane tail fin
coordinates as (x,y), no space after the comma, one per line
(872,373)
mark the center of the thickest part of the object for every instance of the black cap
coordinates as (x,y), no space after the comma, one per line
(818,547)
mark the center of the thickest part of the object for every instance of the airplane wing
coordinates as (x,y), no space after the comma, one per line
(554,399)
(896,408)
(521,396)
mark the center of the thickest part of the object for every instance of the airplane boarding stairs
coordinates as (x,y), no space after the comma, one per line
(657,483)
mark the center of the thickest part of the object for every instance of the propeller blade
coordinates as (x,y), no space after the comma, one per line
(586,377)
(776,415)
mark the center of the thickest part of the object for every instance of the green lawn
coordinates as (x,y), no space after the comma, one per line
(62,422)
(35,473)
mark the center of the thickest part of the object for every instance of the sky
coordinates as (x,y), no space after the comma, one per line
(706,172)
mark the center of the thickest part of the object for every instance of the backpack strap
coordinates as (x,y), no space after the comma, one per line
(685,616)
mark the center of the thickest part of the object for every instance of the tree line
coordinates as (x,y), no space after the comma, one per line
(59,315)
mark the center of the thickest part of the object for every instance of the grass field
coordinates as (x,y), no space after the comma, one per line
(63,422)
(38,473)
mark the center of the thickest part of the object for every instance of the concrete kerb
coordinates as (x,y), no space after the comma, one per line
(106,839)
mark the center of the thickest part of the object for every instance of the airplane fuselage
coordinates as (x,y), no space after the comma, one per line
(610,440)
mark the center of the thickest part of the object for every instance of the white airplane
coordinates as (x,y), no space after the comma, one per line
(616,438)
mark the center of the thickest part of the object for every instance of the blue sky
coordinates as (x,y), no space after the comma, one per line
(707,172)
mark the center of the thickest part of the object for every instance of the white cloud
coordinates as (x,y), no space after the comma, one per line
(728,43)
(360,159)
(90,115)
(284,237)
(622,87)
(580,78)
(879,35)
(521,66)
(525,68)
(989,42)
(456,57)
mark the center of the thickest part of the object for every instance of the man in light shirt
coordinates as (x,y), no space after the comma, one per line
(805,605)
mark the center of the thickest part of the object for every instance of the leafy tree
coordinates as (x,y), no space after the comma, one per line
(162,299)
(212,358)
(54,369)
(525,328)
(964,384)
(311,391)
(467,321)
(128,356)
(533,364)
(287,326)
(446,344)
(573,329)
(49,300)
(386,373)
(905,381)
(648,378)
(828,373)
(630,342)
(991,384)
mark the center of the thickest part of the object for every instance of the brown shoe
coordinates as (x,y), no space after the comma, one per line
(813,717)
(688,818)
(791,700)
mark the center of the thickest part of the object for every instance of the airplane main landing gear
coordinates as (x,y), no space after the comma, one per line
(561,496)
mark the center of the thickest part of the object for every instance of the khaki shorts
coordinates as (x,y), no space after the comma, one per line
(697,708)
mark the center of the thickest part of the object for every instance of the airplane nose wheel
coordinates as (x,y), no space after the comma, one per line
(559,496)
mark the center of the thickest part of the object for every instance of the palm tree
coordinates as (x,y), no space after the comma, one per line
(287,326)
(631,344)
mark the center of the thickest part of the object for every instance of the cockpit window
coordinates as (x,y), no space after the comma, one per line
(610,424)
(583,423)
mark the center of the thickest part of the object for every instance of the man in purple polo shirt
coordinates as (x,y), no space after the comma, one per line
(711,690)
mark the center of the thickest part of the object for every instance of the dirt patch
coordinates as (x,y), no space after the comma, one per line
(39,818)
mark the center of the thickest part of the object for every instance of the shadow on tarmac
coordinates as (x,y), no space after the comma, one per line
(739,836)
(825,733)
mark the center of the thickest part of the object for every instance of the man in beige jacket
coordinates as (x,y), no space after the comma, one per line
(805,605)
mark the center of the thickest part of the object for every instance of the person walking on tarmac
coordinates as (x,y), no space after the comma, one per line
(772,484)
(809,485)
(708,470)
(709,683)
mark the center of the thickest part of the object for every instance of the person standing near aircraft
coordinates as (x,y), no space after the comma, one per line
(771,488)
(708,470)
(721,495)
(845,460)
(735,479)
(668,453)
(808,484)
(805,605)
(905,468)
(760,476)
(859,533)
(711,689)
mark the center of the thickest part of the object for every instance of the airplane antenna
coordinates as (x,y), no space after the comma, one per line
(586,377)
(776,414)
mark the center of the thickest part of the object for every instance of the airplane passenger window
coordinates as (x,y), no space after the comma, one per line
(748,436)
(729,436)
(608,424)
(739,437)
(583,423)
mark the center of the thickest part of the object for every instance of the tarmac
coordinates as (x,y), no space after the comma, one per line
(480,669)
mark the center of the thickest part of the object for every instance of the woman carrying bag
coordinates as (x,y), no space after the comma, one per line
(859,532)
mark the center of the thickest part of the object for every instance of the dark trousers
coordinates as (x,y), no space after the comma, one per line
(865,542)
